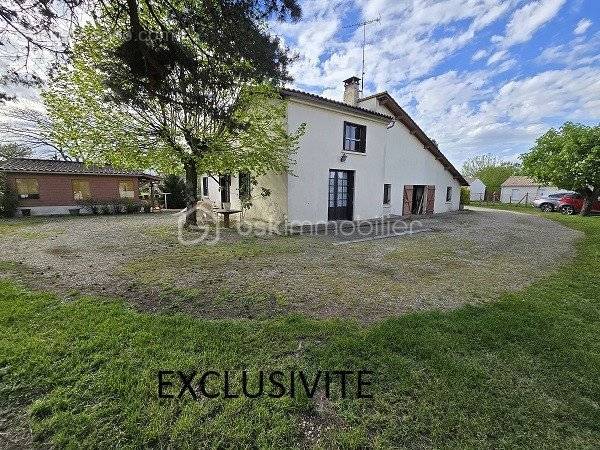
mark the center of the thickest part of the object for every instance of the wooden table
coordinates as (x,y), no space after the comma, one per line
(226,213)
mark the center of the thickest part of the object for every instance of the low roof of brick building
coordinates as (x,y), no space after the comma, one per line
(52,166)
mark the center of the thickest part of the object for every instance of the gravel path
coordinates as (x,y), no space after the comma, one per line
(467,257)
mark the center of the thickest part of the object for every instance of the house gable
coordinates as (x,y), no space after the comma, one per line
(386,102)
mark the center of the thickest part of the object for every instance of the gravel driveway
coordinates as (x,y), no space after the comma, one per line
(467,257)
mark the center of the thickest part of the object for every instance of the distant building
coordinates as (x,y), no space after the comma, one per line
(477,189)
(520,189)
(47,186)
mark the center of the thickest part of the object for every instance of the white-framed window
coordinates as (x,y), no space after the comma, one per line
(449,194)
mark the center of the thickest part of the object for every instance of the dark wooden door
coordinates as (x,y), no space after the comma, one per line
(341,195)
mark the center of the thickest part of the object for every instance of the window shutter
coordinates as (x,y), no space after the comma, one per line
(430,199)
(407,204)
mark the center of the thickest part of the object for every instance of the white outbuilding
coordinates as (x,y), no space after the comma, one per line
(521,189)
(477,189)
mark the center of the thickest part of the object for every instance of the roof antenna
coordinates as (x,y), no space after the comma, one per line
(364,25)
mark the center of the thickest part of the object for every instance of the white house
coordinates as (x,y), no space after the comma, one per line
(362,158)
(520,189)
(477,189)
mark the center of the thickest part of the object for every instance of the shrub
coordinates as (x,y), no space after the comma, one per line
(8,199)
(131,206)
(91,205)
(465,196)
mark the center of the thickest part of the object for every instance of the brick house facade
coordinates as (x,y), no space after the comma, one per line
(49,187)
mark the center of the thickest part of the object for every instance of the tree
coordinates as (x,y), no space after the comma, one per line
(12,150)
(568,158)
(32,129)
(240,127)
(491,170)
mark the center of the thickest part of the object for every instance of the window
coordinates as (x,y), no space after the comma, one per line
(81,190)
(126,189)
(28,188)
(355,137)
(205,186)
(387,194)
(449,194)
(245,185)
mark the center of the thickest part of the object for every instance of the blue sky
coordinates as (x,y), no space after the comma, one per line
(479,76)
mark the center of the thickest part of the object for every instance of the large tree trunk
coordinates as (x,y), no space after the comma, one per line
(589,198)
(191,191)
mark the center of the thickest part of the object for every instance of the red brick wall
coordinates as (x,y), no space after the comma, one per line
(57,190)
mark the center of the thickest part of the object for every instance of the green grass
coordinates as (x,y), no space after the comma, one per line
(521,372)
(521,207)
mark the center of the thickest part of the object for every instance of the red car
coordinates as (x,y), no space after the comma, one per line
(572,204)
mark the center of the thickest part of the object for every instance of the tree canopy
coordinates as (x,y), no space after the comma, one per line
(491,170)
(568,158)
(12,150)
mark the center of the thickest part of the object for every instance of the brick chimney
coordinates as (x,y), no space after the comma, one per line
(352,91)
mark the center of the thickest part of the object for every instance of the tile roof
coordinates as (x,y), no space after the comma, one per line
(518,180)
(32,165)
(317,98)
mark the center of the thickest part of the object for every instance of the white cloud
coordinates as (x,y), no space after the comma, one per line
(528,19)
(582,26)
(579,52)
(467,114)
(498,56)
(480,54)
(413,37)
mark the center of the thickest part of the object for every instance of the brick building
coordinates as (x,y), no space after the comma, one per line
(54,187)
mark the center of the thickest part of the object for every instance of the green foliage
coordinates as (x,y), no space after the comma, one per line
(568,158)
(9,200)
(12,150)
(249,133)
(491,170)
(465,196)
(87,125)
(176,187)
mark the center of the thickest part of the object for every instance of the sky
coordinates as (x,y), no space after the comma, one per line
(479,76)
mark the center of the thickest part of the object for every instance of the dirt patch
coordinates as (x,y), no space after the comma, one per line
(468,257)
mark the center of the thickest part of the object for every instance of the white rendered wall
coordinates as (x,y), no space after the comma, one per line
(409,163)
(320,150)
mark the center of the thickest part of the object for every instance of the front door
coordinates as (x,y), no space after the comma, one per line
(341,194)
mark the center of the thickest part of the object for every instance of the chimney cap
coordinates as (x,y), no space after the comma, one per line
(351,80)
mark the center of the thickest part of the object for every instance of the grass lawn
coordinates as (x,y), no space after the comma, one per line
(523,371)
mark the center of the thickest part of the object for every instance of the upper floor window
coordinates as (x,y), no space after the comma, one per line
(126,189)
(81,190)
(28,188)
(355,137)
(449,194)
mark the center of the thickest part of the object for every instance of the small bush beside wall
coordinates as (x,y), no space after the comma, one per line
(8,199)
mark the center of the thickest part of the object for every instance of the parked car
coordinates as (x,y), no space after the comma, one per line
(572,204)
(549,203)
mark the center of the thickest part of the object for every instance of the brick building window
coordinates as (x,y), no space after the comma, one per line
(28,188)
(81,190)
(126,189)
